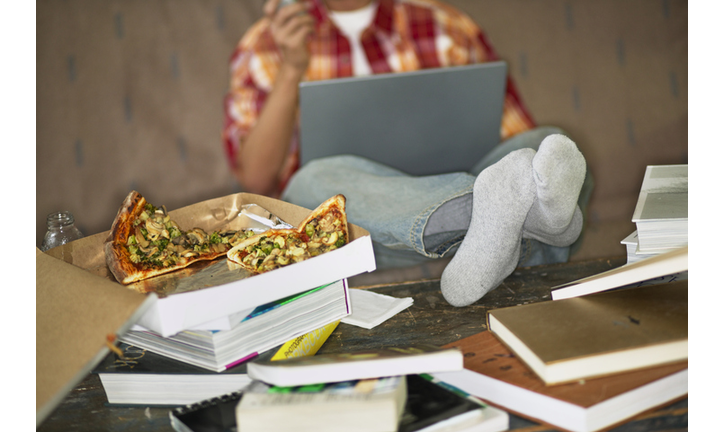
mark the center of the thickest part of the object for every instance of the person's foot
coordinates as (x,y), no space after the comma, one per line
(502,197)
(558,171)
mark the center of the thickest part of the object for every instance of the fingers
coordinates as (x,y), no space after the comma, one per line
(270,7)
(289,14)
(280,11)
(290,24)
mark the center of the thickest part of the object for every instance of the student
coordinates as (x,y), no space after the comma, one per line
(518,206)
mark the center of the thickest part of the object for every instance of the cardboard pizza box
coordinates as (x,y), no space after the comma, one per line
(226,290)
(79,300)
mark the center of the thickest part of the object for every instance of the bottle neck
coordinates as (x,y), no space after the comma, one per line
(60,220)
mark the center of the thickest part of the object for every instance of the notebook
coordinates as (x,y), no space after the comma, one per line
(431,121)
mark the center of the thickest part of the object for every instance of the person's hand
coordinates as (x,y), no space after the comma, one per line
(291,26)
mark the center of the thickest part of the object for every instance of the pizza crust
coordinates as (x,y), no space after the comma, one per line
(117,255)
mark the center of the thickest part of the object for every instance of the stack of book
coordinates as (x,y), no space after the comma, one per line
(584,362)
(137,376)
(265,327)
(660,214)
(381,390)
(210,360)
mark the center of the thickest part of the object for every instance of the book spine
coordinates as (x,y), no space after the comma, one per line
(306,345)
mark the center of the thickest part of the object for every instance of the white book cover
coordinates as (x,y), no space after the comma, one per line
(185,310)
(372,363)
(674,262)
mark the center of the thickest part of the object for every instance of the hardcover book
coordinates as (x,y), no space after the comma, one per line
(493,373)
(598,334)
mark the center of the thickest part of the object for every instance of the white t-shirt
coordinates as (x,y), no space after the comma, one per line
(352,24)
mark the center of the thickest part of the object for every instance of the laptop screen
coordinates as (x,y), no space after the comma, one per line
(425,122)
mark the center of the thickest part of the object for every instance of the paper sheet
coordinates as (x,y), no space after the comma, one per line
(370,309)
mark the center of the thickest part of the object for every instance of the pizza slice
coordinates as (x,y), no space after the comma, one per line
(324,230)
(145,242)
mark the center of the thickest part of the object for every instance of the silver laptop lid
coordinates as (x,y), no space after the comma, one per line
(431,121)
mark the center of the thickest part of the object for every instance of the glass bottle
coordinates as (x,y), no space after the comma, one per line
(61,230)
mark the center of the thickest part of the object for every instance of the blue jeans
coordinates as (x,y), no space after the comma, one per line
(396,207)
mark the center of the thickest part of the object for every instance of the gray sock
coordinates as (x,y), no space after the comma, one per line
(559,170)
(502,196)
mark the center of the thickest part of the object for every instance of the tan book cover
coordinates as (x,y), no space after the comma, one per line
(599,334)
(493,373)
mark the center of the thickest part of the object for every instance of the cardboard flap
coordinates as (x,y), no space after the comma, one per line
(75,311)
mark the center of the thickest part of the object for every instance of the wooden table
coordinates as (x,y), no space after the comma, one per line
(430,320)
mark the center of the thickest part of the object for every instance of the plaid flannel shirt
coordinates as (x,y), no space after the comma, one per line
(402,37)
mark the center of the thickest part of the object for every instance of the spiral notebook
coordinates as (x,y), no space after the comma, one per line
(210,415)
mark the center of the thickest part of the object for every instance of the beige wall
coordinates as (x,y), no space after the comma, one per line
(129,93)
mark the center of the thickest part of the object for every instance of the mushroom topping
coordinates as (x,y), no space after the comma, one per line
(279,241)
(227,236)
(330,240)
(256,261)
(298,251)
(196,236)
(326,223)
(271,256)
(188,253)
(155,229)
(140,239)
(180,240)
(151,251)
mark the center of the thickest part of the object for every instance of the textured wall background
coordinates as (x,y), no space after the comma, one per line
(129,94)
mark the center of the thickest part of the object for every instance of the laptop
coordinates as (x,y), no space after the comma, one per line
(426,122)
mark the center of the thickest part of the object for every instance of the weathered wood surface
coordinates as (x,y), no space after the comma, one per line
(432,320)
(429,320)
